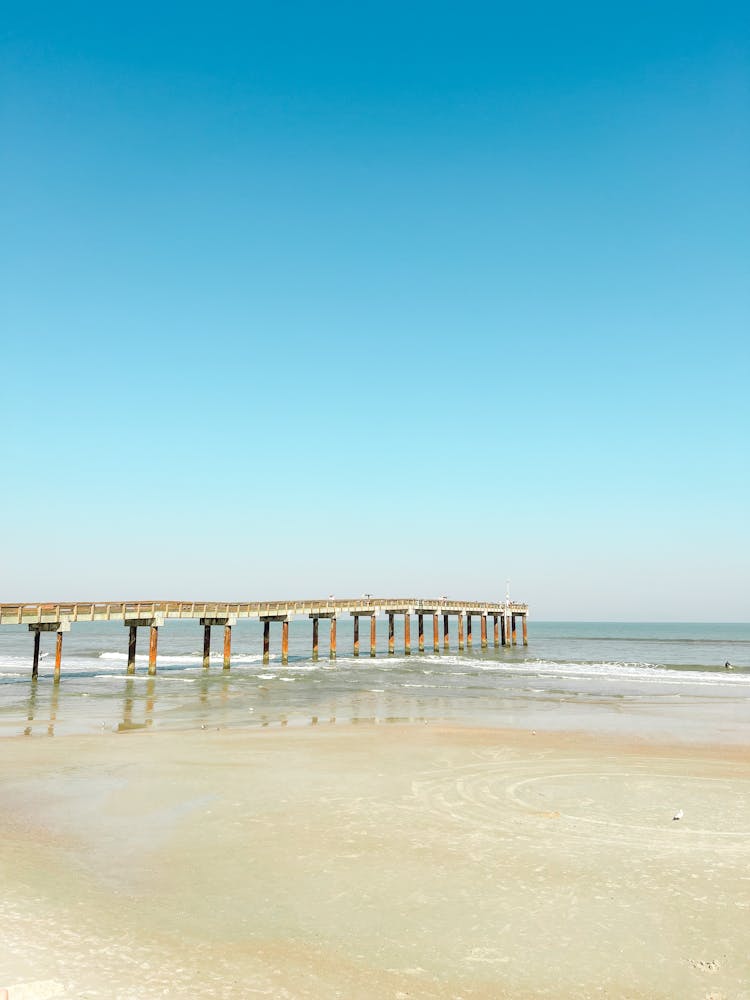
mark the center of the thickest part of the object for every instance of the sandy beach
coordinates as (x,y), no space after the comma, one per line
(373,861)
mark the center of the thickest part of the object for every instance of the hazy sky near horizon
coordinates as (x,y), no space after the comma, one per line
(314,298)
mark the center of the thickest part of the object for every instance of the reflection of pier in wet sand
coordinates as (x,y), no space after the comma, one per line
(152,615)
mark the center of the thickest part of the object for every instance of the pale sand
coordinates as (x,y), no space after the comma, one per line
(373,862)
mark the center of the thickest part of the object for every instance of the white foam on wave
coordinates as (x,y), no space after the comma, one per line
(653,673)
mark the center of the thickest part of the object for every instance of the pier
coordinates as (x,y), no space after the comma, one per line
(152,615)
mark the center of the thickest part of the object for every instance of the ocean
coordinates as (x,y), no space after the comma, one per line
(646,679)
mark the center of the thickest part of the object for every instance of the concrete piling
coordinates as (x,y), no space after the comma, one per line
(332,649)
(446,633)
(391,649)
(513,637)
(420,633)
(153,641)
(58,655)
(206,646)
(469,637)
(525,632)
(132,639)
(315,638)
(285,641)
(373,636)
(483,623)
(227,647)
(495,631)
(356,635)
(35,662)
(435,634)
(460,617)
(266,641)
(407,634)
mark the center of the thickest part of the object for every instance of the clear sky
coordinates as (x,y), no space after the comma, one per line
(405,298)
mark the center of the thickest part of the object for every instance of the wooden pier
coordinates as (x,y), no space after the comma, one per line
(152,615)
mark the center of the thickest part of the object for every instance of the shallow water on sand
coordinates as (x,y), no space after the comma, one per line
(670,677)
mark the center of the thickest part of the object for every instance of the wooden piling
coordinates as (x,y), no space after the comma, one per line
(483,624)
(460,617)
(153,641)
(132,640)
(446,633)
(407,635)
(206,646)
(390,634)
(58,656)
(35,662)
(356,635)
(285,641)
(332,648)
(227,646)
(435,635)
(373,636)
(266,641)
(420,633)
(315,638)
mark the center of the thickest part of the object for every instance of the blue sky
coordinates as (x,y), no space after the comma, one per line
(309,298)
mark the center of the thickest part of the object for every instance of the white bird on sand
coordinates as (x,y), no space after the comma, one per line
(679,814)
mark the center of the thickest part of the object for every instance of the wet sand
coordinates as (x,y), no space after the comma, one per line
(370,861)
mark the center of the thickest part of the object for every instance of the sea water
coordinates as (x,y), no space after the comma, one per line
(646,679)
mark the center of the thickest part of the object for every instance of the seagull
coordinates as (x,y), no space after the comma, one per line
(678,815)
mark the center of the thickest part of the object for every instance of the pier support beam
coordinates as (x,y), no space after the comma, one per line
(227,646)
(483,623)
(153,641)
(469,638)
(460,617)
(390,633)
(513,638)
(35,661)
(373,636)
(525,630)
(356,635)
(132,638)
(407,634)
(420,633)
(495,631)
(316,616)
(206,646)
(285,641)
(332,649)
(267,619)
(446,634)
(152,622)
(58,655)
(227,621)
(37,628)
(435,635)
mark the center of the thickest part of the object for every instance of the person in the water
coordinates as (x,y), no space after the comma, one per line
(727,665)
